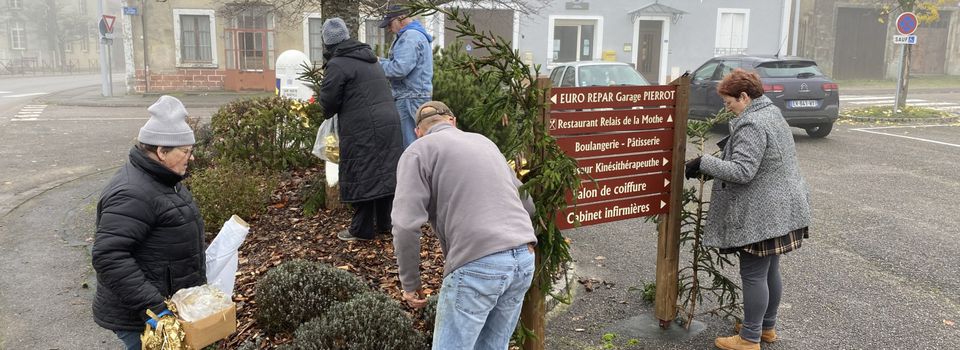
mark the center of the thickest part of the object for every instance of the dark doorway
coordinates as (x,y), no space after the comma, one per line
(929,55)
(861,42)
(650,40)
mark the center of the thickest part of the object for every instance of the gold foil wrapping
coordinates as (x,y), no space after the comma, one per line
(168,335)
(331,147)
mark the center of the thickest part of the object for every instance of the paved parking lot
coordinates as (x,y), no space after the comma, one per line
(881,270)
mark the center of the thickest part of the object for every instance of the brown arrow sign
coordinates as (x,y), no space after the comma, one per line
(604,190)
(607,167)
(568,123)
(612,211)
(620,143)
(612,96)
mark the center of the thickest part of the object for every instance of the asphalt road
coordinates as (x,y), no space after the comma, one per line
(881,270)
(53,165)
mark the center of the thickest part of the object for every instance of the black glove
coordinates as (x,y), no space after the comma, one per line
(692,168)
(723,142)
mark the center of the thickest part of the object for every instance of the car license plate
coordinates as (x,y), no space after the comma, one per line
(804,104)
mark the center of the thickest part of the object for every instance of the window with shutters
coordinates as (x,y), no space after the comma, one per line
(194,36)
(732,28)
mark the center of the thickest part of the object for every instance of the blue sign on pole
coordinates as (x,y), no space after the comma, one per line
(130,11)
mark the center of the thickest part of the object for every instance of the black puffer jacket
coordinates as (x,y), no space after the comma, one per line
(369,126)
(149,243)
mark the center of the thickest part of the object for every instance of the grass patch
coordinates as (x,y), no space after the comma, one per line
(937,81)
(882,112)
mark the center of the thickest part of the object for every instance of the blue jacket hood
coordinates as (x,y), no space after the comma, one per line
(415,25)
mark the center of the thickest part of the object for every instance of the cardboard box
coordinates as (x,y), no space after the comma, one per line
(208,330)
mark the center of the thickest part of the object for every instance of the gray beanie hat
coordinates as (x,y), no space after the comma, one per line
(335,31)
(167,125)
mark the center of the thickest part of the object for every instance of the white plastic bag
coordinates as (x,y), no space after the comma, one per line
(198,302)
(332,173)
(223,255)
(327,144)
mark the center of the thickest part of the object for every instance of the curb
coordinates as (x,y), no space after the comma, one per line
(116,104)
(941,120)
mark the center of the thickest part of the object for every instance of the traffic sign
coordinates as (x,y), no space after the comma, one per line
(572,123)
(618,143)
(907,23)
(601,168)
(612,96)
(612,211)
(130,11)
(621,187)
(106,25)
(905,39)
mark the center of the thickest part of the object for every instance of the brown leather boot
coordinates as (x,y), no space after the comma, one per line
(766,336)
(736,343)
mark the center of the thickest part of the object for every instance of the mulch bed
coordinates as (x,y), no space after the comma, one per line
(283,233)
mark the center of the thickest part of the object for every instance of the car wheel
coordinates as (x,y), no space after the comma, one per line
(820,130)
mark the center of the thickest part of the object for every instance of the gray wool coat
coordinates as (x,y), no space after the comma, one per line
(758,192)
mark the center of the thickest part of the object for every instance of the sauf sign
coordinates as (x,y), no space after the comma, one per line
(629,143)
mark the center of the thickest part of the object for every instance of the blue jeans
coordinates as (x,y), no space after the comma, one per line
(130,339)
(480,301)
(408,111)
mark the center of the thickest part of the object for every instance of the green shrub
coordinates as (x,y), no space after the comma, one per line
(230,189)
(370,321)
(469,95)
(251,344)
(267,132)
(297,291)
(203,153)
(429,313)
(314,194)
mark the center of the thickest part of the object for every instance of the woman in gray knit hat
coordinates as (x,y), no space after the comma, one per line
(149,238)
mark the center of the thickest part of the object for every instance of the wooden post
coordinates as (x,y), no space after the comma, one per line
(668,243)
(533,312)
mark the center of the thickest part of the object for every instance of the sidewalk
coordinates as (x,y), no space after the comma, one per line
(91,96)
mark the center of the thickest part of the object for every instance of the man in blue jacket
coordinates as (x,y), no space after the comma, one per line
(409,67)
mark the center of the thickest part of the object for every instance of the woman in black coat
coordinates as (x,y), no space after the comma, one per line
(149,240)
(355,88)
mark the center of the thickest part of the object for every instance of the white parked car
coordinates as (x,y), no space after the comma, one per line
(591,73)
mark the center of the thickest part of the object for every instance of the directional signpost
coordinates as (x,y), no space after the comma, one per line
(629,143)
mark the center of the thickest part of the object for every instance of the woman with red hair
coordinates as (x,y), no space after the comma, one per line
(760,204)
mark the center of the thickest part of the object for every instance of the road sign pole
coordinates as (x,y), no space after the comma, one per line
(110,67)
(900,100)
(104,65)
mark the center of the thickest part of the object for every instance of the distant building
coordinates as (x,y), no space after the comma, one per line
(849,42)
(661,38)
(185,45)
(31,43)
(194,45)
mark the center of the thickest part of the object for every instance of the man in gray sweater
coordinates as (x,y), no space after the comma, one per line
(462,185)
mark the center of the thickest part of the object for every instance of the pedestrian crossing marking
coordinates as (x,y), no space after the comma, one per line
(25,95)
(29,113)
(884,101)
